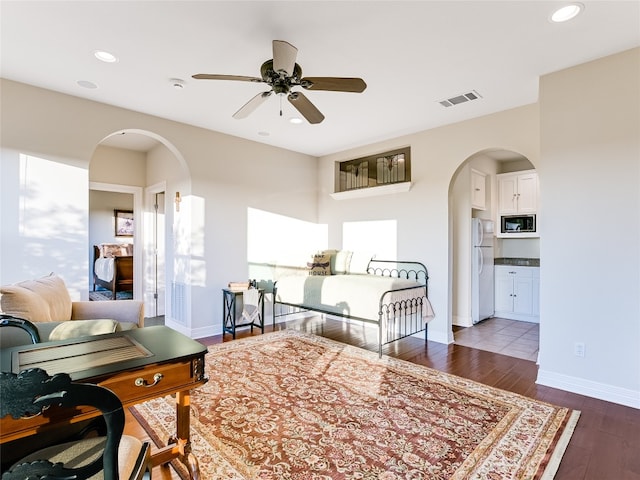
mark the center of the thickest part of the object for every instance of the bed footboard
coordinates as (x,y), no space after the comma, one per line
(122,280)
(401,312)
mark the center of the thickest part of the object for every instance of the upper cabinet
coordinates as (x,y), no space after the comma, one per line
(478,190)
(517,192)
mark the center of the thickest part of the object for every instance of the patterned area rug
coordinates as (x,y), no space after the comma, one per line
(103,295)
(288,405)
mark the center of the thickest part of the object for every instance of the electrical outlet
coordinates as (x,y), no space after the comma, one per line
(578,349)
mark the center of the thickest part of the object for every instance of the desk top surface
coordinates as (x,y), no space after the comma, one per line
(159,344)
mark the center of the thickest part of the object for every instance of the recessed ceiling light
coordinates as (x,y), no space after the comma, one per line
(177,83)
(295,120)
(105,56)
(87,84)
(567,12)
(264,134)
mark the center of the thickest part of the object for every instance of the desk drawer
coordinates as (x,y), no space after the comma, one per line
(151,382)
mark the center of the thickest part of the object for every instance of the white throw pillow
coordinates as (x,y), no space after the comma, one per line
(341,261)
(359,262)
(82,328)
(44,299)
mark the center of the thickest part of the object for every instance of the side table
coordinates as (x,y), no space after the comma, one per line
(229,311)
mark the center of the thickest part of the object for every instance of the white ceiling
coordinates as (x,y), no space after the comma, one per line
(412,54)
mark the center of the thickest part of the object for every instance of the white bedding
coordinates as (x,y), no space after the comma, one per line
(104,268)
(351,294)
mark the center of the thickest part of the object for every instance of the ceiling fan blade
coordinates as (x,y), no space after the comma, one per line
(211,76)
(251,105)
(284,57)
(334,84)
(305,107)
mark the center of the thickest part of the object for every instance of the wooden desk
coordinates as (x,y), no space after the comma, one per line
(159,362)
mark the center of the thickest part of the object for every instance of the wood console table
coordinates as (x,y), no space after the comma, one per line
(137,365)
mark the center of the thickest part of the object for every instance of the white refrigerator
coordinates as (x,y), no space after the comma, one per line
(482,299)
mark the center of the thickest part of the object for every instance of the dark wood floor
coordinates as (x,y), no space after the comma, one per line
(604,446)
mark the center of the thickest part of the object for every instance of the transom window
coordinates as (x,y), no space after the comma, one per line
(375,170)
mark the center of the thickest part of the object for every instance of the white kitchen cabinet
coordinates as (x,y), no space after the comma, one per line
(516,292)
(478,190)
(517,192)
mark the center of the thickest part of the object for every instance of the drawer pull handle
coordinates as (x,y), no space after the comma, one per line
(141,382)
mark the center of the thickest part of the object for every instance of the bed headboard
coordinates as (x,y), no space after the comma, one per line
(399,269)
(112,250)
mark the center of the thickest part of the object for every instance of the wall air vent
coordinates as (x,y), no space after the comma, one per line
(465,97)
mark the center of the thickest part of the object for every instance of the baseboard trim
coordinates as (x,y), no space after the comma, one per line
(438,336)
(460,321)
(518,316)
(602,391)
(169,322)
(208,331)
(216,329)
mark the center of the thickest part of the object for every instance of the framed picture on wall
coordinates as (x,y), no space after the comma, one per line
(124,223)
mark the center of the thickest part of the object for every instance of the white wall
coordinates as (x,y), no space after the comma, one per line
(228,175)
(583,138)
(423,214)
(43,220)
(118,166)
(101,219)
(165,168)
(589,167)
(590,190)
(519,247)
(461,214)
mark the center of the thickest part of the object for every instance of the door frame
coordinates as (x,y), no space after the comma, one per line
(138,228)
(149,194)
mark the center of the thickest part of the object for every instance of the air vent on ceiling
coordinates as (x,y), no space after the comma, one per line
(465,97)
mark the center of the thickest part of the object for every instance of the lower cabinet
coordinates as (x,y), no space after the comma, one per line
(517,292)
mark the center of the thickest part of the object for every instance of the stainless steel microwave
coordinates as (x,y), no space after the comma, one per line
(518,224)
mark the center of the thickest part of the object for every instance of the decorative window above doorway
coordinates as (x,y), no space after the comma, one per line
(379,170)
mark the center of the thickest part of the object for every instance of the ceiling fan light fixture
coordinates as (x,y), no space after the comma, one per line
(567,12)
(105,56)
(295,120)
(281,74)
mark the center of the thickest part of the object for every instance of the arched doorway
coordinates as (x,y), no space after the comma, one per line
(144,165)
(494,330)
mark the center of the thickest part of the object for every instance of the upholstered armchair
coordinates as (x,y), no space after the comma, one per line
(46,303)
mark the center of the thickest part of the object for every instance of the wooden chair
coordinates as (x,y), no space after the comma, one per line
(26,325)
(114,457)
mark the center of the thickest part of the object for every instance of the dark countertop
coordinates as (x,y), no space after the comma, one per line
(518,262)
(163,343)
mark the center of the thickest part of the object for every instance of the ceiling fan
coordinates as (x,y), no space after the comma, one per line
(282,73)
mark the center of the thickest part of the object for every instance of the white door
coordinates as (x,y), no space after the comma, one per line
(154,251)
(504,290)
(159,254)
(486,283)
(508,194)
(523,294)
(528,193)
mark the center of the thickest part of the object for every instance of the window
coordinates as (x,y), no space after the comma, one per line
(374,171)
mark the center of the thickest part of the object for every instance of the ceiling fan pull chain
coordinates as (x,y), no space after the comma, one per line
(280,104)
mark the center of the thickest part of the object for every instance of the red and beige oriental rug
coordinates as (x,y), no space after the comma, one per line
(288,405)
